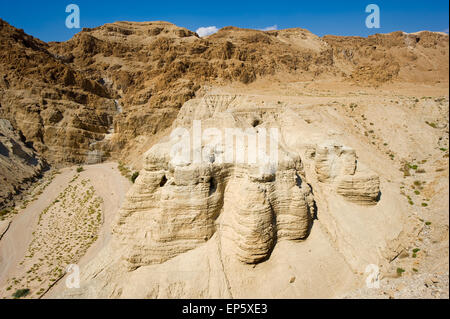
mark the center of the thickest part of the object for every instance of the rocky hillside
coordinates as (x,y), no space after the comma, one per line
(112,91)
(338,200)
(58,109)
(19,164)
(126,80)
(361,177)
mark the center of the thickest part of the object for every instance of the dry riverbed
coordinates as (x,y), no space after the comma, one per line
(64,220)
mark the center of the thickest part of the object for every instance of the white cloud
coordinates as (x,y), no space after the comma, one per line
(271,28)
(205,31)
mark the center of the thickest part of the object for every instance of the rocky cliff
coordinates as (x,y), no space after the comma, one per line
(19,164)
(199,223)
(109,88)
(230,217)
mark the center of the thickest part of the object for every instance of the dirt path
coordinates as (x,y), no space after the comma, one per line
(108,183)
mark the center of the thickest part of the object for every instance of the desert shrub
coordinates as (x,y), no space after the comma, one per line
(124,170)
(134,176)
(433,125)
(4,212)
(21,293)
(400,271)
(405,169)
(80,169)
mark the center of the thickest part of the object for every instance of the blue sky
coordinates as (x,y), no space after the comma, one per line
(45,19)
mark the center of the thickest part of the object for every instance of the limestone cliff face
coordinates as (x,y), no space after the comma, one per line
(217,228)
(337,165)
(176,206)
(180,207)
(59,110)
(108,88)
(19,164)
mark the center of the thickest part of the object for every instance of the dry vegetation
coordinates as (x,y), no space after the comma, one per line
(65,230)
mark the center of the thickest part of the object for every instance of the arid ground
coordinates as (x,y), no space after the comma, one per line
(88,178)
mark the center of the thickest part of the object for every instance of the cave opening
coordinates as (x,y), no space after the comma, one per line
(163,181)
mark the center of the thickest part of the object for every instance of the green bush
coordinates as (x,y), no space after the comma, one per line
(433,125)
(400,271)
(4,212)
(80,169)
(21,293)
(134,176)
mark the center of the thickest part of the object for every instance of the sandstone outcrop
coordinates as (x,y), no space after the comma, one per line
(110,88)
(220,229)
(19,164)
(229,228)
(180,207)
(338,166)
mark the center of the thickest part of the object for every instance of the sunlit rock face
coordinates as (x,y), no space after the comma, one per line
(337,165)
(174,208)
(177,205)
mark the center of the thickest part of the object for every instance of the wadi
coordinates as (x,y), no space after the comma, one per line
(156,163)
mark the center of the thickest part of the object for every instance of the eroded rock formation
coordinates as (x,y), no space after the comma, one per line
(108,88)
(338,166)
(180,205)
(19,164)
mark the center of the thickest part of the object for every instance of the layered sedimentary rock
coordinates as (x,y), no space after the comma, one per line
(337,165)
(332,161)
(221,228)
(179,207)
(59,110)
(108,88)
(19,164)
(362,188)
(180,204)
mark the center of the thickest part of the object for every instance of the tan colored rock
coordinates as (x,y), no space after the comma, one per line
(337,165)
(225,230)
(19,164)
(178,208)
(361,188)
(332,161)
